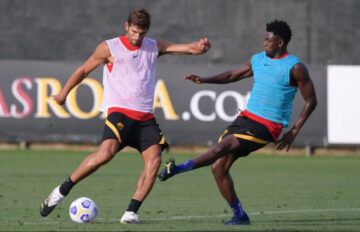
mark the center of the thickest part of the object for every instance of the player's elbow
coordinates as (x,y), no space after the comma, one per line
(312,103)
(82,72)
(315,103)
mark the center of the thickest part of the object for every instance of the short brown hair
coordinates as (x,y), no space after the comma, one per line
(140,18)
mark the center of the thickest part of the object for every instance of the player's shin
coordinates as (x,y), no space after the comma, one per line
(184,167)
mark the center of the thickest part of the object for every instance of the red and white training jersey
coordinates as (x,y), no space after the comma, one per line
(130,82)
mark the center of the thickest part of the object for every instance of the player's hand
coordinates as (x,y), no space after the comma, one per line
(286,140)
(59,98)
(193,78)
(202,46)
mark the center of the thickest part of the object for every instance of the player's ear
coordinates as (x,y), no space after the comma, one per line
(126,25)
(281,43)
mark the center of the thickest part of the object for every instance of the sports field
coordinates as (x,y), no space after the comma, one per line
(280,193)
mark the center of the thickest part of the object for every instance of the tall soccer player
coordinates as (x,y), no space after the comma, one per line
(277,77)
(129,82)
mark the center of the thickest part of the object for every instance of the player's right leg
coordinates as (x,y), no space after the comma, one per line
(107,150)
(51,202)
(228,145)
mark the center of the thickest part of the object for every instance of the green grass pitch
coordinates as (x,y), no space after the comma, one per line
(280,193)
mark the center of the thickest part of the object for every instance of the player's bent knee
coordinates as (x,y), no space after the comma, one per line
(217,150)
(218,170)
(153,164)
(156,161)
(103,158)
(111,151)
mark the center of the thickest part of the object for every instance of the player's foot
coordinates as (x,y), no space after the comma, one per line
(130,217)
(244,220)
(51,202)
(168,171)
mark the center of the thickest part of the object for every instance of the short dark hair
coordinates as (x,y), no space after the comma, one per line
(140,18)
(281,29)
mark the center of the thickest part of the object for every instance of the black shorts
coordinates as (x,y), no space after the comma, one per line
(252,135)
(129,132)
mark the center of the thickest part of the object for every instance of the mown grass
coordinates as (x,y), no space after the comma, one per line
(280,193)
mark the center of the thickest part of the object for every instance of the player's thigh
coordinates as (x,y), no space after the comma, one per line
(152,156)
(108,148)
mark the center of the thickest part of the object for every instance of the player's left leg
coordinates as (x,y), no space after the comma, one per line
(220,170)
(221,173)
(152,161)
(150,143)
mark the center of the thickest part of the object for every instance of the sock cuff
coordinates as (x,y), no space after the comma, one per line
(235,203)
(134,205)
(66,186)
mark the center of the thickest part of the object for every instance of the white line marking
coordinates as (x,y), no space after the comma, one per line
(254,213)
(104,220)
(227,215)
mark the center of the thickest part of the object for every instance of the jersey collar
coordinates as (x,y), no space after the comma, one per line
(127,44)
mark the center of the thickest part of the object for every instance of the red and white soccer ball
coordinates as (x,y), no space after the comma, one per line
(83,210)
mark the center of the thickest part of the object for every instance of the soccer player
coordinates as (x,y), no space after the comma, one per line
(277,76)
(129,82)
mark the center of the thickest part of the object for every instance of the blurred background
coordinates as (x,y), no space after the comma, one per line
(42,43)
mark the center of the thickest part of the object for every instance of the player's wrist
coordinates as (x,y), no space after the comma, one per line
(294,131)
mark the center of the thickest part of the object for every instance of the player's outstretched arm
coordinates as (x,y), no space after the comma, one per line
(307,90)
(100,56)
(195,48)
(225,77)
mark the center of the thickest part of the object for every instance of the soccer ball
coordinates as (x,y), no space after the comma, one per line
(83,210)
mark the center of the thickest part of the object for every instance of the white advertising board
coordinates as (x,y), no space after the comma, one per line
(343,104)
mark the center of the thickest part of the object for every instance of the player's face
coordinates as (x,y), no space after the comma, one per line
(272,44)
(135,34)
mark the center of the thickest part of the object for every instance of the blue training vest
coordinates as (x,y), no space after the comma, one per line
(272,95)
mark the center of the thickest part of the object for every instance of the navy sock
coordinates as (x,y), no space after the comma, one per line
(237,209)
(66,187)
(184,167)
(134,205)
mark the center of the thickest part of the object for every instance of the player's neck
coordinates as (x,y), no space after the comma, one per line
(281,54)
(128,44)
